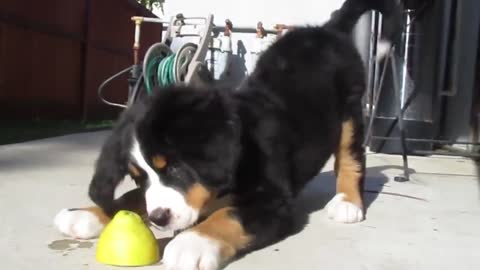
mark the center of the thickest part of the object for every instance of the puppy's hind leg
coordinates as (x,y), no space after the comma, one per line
(347,205)
(88,222)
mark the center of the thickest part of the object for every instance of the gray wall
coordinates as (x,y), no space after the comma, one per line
(459,106)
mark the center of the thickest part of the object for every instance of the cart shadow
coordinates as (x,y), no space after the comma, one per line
(320,190)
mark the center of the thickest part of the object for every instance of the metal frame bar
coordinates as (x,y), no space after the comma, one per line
(425,140)
(400,111)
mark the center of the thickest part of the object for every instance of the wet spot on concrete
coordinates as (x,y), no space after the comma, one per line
(61,244)
(68,245)
(85,245)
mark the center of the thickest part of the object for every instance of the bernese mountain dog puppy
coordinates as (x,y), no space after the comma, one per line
(186,148)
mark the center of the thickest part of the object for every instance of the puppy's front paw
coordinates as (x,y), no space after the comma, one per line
(78,224)
(343,211)
(192,251)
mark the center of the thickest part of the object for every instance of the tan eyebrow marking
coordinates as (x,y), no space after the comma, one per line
(159,161)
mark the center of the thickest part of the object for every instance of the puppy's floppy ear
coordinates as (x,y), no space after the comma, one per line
(112,164)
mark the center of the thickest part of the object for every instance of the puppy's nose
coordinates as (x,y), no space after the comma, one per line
(160,216)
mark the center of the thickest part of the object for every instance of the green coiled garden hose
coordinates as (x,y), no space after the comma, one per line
(161,71)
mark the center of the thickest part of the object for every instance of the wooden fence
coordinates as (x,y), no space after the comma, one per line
(55,53)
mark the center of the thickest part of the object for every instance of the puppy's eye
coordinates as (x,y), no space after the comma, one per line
(159,161)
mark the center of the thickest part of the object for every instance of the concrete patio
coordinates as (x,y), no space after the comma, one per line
(431,222)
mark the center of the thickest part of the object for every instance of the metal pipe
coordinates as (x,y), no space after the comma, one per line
(136,42)
(424,140)
(238,29)
(243,29)
(401,125)
(406,57)
(148,19)
(376,98)
(158,20)
(453,154)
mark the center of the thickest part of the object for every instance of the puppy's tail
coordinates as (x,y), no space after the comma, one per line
(345,19)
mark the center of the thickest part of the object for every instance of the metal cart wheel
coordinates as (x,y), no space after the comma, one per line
(182,61)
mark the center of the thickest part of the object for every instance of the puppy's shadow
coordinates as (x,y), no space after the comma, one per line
(162,243)
(322,189)
(316,195)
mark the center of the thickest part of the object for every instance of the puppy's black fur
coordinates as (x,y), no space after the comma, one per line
(264,142)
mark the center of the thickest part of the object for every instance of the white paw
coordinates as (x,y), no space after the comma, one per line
(78,224)
(383,49)
(191,251)
(342,211)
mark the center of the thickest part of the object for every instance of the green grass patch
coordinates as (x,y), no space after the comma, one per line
(21,131)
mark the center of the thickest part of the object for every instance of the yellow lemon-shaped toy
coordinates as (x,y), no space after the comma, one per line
(127,241)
